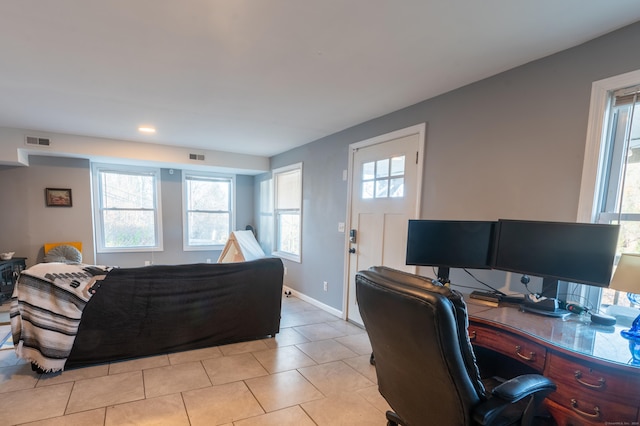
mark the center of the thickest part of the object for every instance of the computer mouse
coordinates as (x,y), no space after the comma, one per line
(603,319)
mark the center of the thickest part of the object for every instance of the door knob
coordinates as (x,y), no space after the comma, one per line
(352,250)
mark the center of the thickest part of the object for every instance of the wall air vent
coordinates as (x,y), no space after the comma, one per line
(32,140)
(199,157)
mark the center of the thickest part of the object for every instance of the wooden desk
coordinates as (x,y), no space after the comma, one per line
(589,363)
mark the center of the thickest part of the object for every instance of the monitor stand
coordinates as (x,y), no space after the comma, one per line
(443,275)
(548,303)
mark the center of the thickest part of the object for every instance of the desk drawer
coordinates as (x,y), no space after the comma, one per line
(523,350)
(582,388)
(585,409)
(567,417)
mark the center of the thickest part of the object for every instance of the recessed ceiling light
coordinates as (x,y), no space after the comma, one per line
(146,129)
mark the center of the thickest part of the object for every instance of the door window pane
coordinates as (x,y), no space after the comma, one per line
(382,188)
(376,181)
(396,188)
(368,171)
(367,190)
(397,166)
(382,168)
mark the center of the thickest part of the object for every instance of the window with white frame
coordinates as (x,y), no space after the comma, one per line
(127,208)
(207,210)
(610,182)
(288,211)
(618,195)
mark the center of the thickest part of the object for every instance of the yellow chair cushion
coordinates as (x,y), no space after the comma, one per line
(76,244)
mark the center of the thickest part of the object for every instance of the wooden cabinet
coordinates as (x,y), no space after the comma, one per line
(591,389)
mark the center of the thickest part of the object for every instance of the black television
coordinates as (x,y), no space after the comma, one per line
(450,244)
(566,251)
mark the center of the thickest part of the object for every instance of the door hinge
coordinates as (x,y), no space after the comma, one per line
(417,157)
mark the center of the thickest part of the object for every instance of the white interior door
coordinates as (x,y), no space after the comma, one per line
(385,189)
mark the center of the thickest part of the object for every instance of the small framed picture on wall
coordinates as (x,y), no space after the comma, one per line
(58,197)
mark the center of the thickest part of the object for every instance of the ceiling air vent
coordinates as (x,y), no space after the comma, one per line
(199,157)
(32,140)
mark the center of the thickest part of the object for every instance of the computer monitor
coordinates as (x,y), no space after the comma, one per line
(574,252)
(450,244)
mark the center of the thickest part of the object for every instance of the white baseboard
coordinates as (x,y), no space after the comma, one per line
(314,302)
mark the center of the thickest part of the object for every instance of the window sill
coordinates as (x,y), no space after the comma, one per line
(288,256)
(129,250)
(217,247)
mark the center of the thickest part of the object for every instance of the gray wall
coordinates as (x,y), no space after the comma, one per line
(510,146)
(323,206)
(244,202)
(28,224)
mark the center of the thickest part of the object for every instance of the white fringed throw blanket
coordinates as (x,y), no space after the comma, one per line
(46,308)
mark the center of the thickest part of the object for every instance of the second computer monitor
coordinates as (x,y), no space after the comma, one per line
(574,252)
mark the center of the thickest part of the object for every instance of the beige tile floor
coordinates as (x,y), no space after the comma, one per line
(316,371)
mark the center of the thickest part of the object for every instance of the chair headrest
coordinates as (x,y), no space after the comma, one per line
(76,244)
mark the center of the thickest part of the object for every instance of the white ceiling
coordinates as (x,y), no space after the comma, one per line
(263,76)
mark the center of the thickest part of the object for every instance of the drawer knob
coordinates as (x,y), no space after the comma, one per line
(600,385)
(472,336)
(530,358)
(594,415)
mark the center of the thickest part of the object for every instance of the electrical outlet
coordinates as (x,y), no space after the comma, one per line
(147,262)
(208,260)
(326,286)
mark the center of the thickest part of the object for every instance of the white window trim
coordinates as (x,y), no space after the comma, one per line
(282,254)
(601,92)
(98,226)
(185,229)
(598,115)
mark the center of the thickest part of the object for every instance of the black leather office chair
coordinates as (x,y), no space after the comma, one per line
(424,360)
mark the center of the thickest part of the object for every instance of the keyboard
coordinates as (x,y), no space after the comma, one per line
(485,295)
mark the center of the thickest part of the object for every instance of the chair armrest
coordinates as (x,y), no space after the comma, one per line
(517,388)
(512,391)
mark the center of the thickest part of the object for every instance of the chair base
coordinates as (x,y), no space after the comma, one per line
(393,419)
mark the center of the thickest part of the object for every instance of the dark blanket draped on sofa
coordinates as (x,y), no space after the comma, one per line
(161,309)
